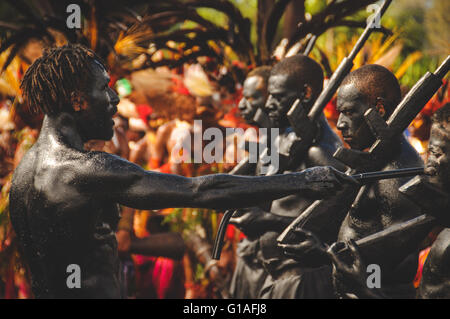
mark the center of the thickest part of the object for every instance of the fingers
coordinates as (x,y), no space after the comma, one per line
(346,179)
(296,251)
(302,233)
(239,212)
(351,296)
(335,248)
(239,216)
(332,252)
(354,249)
(320,189)
(307,235)
(296,248)
(235,220)
(326,181)
(327,186)
(341,178)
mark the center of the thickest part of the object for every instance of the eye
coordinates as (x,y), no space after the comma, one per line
(436,151)
(276,96)
(348,112)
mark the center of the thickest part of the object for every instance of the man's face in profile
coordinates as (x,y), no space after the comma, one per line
(283,92)
(439,155)
(351,105)
(95,119)
(254,97)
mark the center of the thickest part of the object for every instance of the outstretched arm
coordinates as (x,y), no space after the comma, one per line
(128,184)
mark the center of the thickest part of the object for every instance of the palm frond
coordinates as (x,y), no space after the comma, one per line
(270,27)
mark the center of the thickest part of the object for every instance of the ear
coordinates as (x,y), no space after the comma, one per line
(380,106)
(307,93)
(77,101)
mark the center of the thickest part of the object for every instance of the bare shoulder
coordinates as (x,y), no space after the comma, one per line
(24,173)
(322,155)
(440,250)
(62,171)
(82,168)
(435,281)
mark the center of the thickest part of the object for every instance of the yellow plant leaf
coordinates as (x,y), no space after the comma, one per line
(410,60)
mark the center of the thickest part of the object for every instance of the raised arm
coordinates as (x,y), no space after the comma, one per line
(116,179)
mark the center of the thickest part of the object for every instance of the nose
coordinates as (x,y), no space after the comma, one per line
(341,123)
(242,104)
(432,160)
(270,104)
(114,98)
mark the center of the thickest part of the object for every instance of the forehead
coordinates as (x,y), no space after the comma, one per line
(253,83)
(281,83)
(349,96)
(439,136)
(99,72)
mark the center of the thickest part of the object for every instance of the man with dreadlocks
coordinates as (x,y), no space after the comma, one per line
(63,199)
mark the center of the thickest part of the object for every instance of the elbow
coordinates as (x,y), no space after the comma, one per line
(195,187)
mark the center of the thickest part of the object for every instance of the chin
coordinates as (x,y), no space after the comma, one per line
(105,136)
(356,145)
(109,136)
(275,122)
(353,145)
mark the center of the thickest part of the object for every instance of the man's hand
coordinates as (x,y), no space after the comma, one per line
(352,275)
(308,250)
(355,271)
(324,181)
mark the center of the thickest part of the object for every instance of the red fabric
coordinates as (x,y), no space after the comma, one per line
(231,233)
(144,111)
(154,162)
(165,168)
(330,109)
(438,100)
(158,277)
(179,87)
(422,258)
(162,275)
(10,288)
(112,80)
(233,119)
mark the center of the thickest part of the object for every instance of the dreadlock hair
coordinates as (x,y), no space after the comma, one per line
(59,75)
(375,81)
(304,71)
